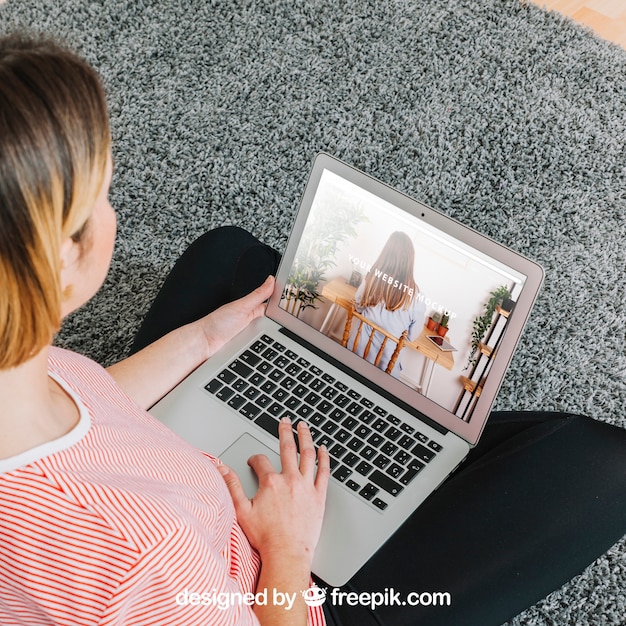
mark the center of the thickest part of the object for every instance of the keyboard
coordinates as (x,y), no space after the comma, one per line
(373,453)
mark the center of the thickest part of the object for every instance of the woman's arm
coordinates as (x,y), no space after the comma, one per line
(284,520)
(150,373)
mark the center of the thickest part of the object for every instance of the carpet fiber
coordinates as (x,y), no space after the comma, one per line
(508,118)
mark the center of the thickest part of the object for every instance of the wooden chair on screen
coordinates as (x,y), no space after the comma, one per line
(363,321)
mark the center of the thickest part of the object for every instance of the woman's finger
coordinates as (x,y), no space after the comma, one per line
(307,450)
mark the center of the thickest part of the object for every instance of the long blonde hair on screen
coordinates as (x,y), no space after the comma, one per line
(396,260)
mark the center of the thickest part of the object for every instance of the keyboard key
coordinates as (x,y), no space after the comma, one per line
(406,442)
(393,433)
(268,423)
(329,393)
(368,452)
(364,468)
(263,401)
(258,347)
(276,375)
(402,457)
(316,418)
(352,485)
(213,386)
(388,448)
(386,483)
(264,367)
(251,393)
(227,376)
(224,394)
(275,409)
(355,444)
(414,469)
(354,408)
(376,439)
(381,504)
(250,410)
(239,384)
(256,379)
(341,473)
(280,394)
(380,425)
(343,435)
(367,417)
(250,358)
(288,383)
(268,386)
(423,453)
(311,399)
(236,402)
(304,410)
(337,451)
(342,401)
(239,367)
(369,491)
(381,461)
(435,446)
(362,431)
(350,423)
(395,470)
(329,427)
(351,459)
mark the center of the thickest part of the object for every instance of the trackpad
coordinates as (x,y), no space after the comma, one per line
(237,455)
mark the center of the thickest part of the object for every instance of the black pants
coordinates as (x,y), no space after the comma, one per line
(538,499)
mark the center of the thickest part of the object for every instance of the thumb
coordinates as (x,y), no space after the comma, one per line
(240,499)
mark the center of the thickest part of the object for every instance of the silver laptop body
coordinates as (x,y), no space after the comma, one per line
(414,425)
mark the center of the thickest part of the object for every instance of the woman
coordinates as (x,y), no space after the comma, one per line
(389,297)
(106,517)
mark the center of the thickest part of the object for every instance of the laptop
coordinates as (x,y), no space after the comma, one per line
(393,435)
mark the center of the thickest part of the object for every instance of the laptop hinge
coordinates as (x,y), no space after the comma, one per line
(368,383)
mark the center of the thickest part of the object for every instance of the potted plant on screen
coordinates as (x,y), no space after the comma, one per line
(443,325)
(317,251)
(433,321)
(480,326)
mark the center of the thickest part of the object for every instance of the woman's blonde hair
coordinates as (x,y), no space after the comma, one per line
(390,280)
(54,147)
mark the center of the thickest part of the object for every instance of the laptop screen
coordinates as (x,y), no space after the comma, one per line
(414,295)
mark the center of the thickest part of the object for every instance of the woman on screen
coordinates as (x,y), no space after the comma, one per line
(389,297)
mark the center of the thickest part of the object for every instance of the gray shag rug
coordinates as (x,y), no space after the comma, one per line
(506,117)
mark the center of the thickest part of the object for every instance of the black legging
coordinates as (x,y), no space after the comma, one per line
(538,499)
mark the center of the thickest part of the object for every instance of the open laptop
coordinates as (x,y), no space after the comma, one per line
(393,437)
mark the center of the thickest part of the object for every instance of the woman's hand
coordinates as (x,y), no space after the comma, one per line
(144,376)
(285,516)
(223,324)
(284,520)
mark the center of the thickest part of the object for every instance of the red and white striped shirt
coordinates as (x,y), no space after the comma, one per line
(119,522)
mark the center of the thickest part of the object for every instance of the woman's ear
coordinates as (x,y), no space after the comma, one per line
(70,256)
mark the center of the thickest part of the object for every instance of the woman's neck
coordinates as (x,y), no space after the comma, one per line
(35,409)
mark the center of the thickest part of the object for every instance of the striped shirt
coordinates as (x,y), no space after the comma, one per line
(119,522)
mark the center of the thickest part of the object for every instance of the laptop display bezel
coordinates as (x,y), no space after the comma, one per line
(423,406)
